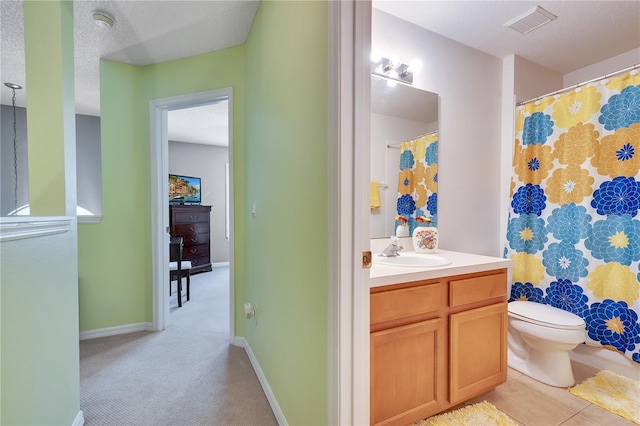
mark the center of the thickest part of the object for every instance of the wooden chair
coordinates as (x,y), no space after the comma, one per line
(178,268)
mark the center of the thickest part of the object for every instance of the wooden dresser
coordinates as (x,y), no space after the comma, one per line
(191,222)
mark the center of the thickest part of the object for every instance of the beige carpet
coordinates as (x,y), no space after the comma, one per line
(480,414)
(613,392)
(187,375)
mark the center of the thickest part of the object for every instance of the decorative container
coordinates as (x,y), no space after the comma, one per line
(402,231)
(425,239)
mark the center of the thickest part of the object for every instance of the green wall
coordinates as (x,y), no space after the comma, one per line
(115,254)
(39,316)
(286,247)
(40,367)
(279,81)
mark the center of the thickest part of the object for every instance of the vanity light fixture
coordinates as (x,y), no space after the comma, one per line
(102,19)
(393,69)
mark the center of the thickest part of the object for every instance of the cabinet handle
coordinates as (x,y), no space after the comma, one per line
(193,217)
(193,251)
(192,228)
(194,240)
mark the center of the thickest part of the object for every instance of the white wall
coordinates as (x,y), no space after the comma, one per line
(385,162)
(208,163)
(7,176)
(88,161)
(601,68)
(532,80)
(522,80)
(469,152)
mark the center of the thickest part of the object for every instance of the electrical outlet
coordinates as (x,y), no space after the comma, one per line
(254,212)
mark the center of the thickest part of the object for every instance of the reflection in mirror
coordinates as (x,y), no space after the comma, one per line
(404,124)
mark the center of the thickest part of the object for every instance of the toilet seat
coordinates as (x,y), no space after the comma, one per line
(545,315)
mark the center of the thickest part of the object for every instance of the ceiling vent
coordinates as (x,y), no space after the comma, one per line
(529,21)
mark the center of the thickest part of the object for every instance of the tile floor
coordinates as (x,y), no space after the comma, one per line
(531,403)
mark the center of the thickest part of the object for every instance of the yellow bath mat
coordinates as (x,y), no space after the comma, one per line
(612,392)
(480,414)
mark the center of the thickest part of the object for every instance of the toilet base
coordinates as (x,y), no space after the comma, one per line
(551,368)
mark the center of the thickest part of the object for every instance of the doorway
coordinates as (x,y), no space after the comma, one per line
(159,149)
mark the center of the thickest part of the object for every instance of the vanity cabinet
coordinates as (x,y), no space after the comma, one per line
(436,343)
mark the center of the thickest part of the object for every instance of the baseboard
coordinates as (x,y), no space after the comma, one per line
(219,264)
(242,342)
(604,359)
(113,331)
(79,420)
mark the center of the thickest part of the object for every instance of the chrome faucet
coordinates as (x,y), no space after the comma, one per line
(392,249)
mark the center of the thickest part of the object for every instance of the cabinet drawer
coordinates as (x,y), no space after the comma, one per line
(407,302)
(477,289)
(193,251)
(191,228)
(192,240)
(198,260)
(190,217)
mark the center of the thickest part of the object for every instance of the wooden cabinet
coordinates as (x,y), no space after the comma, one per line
(478,334)
(408,353)
(192,223)
(407,363)
(435,344)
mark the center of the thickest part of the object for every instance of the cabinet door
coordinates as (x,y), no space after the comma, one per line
(477,351)
(408,372)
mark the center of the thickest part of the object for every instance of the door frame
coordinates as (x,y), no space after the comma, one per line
(159,150)
(349,116)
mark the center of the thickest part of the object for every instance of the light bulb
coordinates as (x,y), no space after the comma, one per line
(391,83)
(375,56)
(415,66)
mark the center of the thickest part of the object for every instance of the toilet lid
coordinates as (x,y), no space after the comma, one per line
(546,315)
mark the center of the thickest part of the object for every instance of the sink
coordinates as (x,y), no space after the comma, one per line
(412,259)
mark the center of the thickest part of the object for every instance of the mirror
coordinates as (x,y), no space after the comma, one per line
(399,113)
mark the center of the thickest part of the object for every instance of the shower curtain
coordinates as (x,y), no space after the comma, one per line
(574,225)
(418,180)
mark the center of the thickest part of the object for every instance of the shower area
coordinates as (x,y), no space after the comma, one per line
(573,228)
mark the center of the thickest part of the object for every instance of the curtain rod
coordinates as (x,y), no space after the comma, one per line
(397,146)
(575,86)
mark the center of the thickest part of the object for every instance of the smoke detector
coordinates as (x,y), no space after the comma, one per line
(102,19)
(529,21)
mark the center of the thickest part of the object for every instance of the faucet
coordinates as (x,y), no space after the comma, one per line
(392,249)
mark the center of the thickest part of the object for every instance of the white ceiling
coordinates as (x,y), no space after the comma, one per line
(584,33)
(207,124)
(153,31)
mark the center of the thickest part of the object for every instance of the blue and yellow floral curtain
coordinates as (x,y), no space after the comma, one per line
(418,179)
(574,227)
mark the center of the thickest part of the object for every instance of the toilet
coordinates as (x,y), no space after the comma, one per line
(539,340)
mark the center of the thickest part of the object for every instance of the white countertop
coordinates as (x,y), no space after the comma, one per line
(461,263)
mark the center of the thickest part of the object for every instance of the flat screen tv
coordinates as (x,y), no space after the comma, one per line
(184,190)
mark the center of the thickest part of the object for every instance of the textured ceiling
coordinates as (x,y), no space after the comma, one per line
(585,32)
(152,31)
(208,124)
(145,32)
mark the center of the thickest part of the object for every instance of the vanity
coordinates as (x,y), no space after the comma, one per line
(438,335)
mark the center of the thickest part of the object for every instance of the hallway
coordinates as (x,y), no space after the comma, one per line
(188,374)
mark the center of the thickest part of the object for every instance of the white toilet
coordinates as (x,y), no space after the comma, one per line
(540,338)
